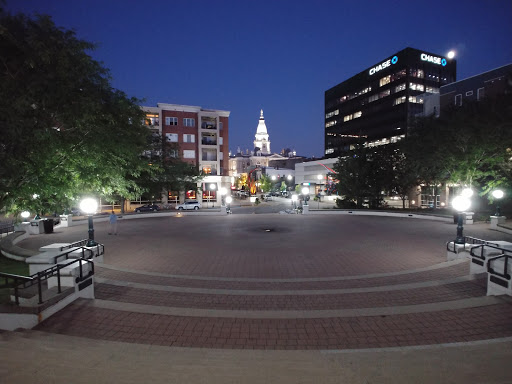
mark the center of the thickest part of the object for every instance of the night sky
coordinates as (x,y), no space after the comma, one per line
(277,55)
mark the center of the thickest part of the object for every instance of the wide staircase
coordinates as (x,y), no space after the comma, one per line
(439,304)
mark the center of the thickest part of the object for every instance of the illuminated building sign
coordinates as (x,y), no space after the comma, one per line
(383,65)
(433,59)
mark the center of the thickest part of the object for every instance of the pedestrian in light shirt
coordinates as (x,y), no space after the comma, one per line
(113,223)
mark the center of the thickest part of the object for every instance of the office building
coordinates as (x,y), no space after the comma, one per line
(375,106)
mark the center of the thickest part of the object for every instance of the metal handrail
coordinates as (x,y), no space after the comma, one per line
(19,281)
(488,245)
(491,270)
(75,244)
(470,240)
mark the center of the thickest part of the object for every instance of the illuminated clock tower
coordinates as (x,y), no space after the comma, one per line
(261,138)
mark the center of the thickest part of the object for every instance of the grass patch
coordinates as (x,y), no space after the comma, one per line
(14,267)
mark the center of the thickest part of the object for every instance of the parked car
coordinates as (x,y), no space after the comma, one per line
(147,208)
(189,205)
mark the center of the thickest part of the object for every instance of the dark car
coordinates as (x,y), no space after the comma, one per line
(147,208)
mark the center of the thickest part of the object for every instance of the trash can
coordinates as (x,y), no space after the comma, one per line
(48,225)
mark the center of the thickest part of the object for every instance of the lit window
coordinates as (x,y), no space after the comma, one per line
(189,154)
(399,100)
(415,99)
(385,80)
(330,124)
(417,87)
(373,98)
(480,93)
(189,138)
(347,118)
(400,87)
(171,121)
(171,137)
(189,122)
(429,89)
(151,119)
(357,114)
(385,93)
(333,113)
(329,150)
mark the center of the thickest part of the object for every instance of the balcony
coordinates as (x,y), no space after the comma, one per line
(208,141)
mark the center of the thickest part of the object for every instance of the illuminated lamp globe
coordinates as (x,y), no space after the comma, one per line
(273,177)
(229,199)
(305,191)
(294,197)
(461,203)
(467,192)
(450,54)
(89,205)
(25,215)
(212,187)
(289,177)
(497,193)
(319,177)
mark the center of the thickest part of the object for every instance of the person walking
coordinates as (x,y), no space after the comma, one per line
(113,223)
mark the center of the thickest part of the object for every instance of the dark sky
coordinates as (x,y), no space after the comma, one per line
(277,55)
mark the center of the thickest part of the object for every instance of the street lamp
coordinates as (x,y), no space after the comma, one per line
(89,206)
(294,201)
(25,215)
(498,194)
(212,188)
(461,204)
(223,191)
(229,199)
(305,192)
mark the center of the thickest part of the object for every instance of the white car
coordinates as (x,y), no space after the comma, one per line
(189,205)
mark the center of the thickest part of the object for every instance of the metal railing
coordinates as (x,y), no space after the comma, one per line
(6,228)
(470,240)
(478,250)
(99,248)
(18,282)
(493,260)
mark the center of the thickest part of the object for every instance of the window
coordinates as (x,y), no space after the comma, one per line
(189,138)
(469,93)
(221,141)
(415,99)
(399,100)
(171,121)
(419,73)
(171,137)
(385,93)
(189,122)
(480,93)
(458,100)
(189,154)
(429,89)
(347,118)
(173,153)
(385,80)
(373,98)
(400,87)
(333,113)
(151,119)
(417,87)
(330,124)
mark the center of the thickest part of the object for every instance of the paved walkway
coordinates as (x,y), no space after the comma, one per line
(373,297)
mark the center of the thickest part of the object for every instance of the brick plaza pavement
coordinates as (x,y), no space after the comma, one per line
(292,282)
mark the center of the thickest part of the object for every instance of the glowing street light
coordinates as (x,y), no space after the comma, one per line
(450,55)
(305,192)
(461,204)
(229,200)
(223,191)
(498,194)
(294,201)
(25,215)
(89,206)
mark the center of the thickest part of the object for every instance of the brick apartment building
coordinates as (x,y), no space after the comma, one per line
(201,136)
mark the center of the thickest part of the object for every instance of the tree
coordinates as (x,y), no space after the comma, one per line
(64,130)
(265,183)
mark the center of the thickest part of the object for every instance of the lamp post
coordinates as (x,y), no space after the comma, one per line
(25,215)
(89,206)
(305,193)
(212,188)
(498,194)
(223,191)
(294,201)
(460,203)
(229,199)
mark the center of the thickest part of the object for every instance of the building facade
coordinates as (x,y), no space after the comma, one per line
(202,139)
(375,106)
(491,83)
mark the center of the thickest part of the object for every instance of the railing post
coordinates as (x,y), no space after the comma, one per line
(39,288)
(16,293)
(58,279)
(81,272)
